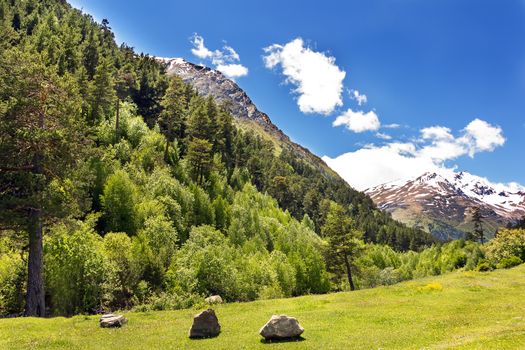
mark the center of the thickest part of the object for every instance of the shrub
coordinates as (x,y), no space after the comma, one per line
(76,269)
(12,283)
(508,243)
(118,201)
(483,266)
(508,262)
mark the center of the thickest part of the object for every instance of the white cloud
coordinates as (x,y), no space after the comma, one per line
(484,136)
(226,60)
(233,70)
(318,80)
(383,136)
(199,49)
(368,167)
(392,126)
(436,132)
(358,121)
(373,165)
(356,95)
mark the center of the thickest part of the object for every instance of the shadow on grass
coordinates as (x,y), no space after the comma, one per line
(205,337)
(282,340)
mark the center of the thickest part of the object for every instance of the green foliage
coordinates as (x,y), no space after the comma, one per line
(118,203)
(12,280)
(508,243)
(508,262)
(381,265)
(76,268)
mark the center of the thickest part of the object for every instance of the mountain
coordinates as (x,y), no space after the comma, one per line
(441,202)
(208,81)
(299,180)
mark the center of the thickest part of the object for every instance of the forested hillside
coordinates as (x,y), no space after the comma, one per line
(121,186)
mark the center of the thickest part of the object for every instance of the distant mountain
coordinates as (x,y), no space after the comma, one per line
(441,202)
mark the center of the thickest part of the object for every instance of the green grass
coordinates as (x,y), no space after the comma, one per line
(463,310)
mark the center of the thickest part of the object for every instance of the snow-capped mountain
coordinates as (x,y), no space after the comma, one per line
(441,202)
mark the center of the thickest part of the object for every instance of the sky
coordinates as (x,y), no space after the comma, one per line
(383,90)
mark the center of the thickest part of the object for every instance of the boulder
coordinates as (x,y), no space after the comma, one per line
(214,299)
(112,321)
(281,327)
(205,325)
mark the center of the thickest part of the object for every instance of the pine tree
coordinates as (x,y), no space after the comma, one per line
(477,219)
(200,159)
(344,240)
(102,92)
(172,120)
(41,139)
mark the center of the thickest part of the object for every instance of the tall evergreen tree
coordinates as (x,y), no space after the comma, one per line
(173,117)
(102,92)
(40,138)
(477,220)
(344,241)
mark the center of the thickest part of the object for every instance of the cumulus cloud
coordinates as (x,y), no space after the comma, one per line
(317,79)
(374,165)
(485,137)
(227,60)
(358,121)
(436,133)
(360,98)
(232,70)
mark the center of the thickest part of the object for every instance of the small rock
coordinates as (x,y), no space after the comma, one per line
(214,299)
(205,325)
(281,327)
(112,321)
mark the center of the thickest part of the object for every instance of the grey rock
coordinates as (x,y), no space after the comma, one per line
(112,321)
(205,325)
(281,327)
(214,299)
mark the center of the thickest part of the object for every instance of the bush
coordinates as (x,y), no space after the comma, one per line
(12,283)
(125,270)
(506,244)
(76,269)
(118,202)
(508,262)
(483,266)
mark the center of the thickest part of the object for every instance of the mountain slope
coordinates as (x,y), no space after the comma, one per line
(208,81)
(300,181)
(441,202)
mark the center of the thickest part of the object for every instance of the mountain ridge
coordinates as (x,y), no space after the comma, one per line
(441,201)
(210,81)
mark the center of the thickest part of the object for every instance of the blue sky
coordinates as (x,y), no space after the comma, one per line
(450,74)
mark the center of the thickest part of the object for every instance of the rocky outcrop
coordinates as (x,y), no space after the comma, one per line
(281,327)
(205,325)
(112,321)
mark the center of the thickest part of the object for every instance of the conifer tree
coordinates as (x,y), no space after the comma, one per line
(102,92)
(41,139)
(344,241)
(173,117)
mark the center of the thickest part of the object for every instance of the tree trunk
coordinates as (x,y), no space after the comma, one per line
(349,272)
(35,301)
(166,150)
